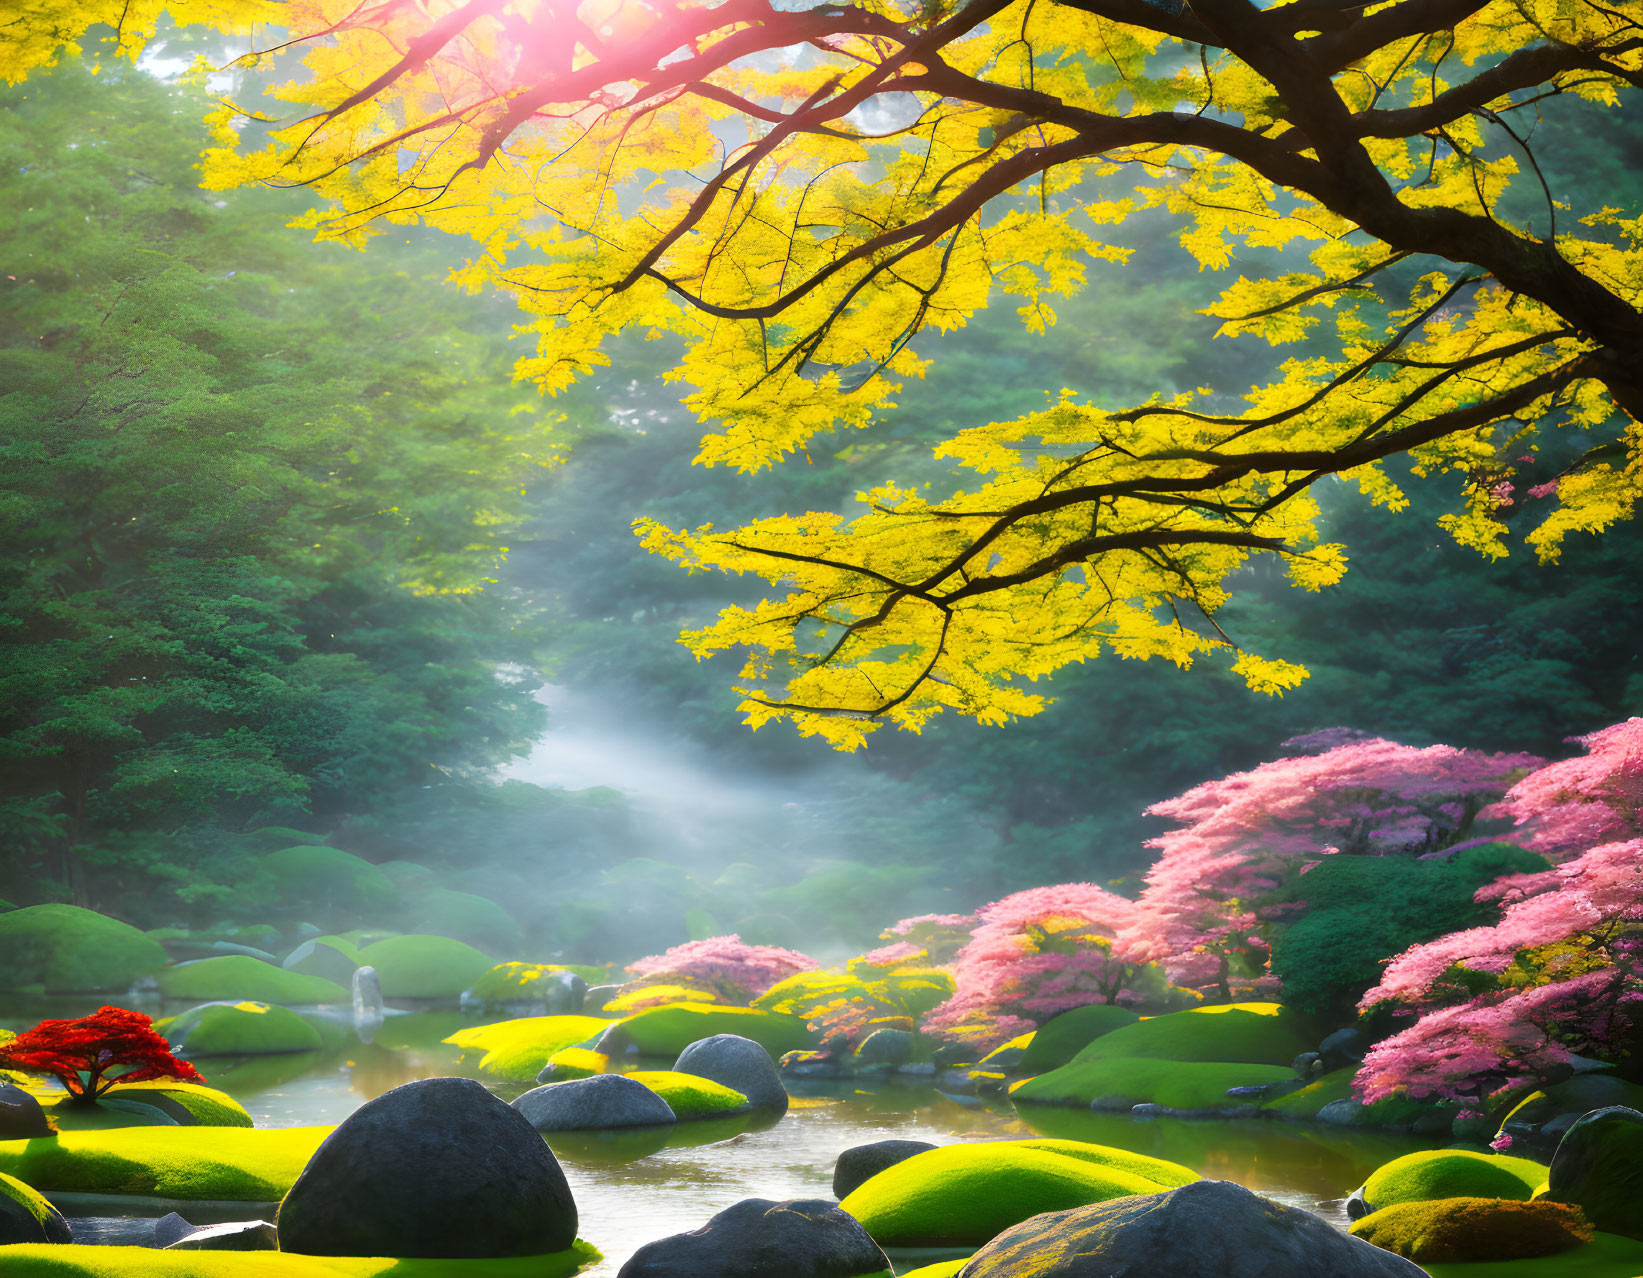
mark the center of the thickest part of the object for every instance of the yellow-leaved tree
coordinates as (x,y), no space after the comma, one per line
(800,190)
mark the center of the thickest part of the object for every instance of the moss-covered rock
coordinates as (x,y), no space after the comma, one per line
(1058,1040)
(1599,1166)
(574,1062)
(508,982)
(640,997)
(1451,1173)
(1475,1229)
(424,966)
(76,1261)
(1607,1256)
(964,1195)
(209,1107)
(518,1049)
(26,1217)
(478,920)
(182,1104)
(941,1269)
(239,976)
(242,1164)
(1007,1056)
(1244,1033)
(314,877)
(690,1096)
(238,1029)
(1188,1085)
(64,949)
(667,1031)
(331,958)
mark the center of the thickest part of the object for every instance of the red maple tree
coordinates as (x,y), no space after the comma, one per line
(81,1052)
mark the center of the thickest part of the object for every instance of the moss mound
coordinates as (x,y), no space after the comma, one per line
(518,1049)
(205,1105)
(964,1195)
(1607,1256)
(689,1096)
(478,920)
(313,876)
(667,1031)
(1452,1173)
(1475,1229)
(40,1260)
(243,1164)
(578,1062)
(1243,1033)
(64,949)
(239,976)
(239,1029)
(1176,1084)
(1057,1041)
(507,981)
(631,1002)
(424,966)
(945,1269)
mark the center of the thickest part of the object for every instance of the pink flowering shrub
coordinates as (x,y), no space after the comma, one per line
(1232,872)
(723,966)
(939,936)
(1561,973)
(1575,804)
(1036,954)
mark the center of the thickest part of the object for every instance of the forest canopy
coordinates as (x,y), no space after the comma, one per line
(804,195)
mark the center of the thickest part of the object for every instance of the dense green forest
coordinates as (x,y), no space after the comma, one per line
(287,555)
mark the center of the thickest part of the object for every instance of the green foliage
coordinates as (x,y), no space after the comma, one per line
(1474,1229)
(325,881)
(239,976)
(424,966)
(1365,910)
(254,1164)
(245,1028)
(64,948)
(667,1031)
(689,1096)
(248,493)
(1452,1173)
(964,1195)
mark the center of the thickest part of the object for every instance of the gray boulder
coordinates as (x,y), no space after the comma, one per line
(1343,1047)
(739,1064)
(21,1117)
(171,1227)
(602,1102)
(597,996)
(861,1163)
(1347,1112)
(25,1218)
(1598,1167)
(758,1238)
(564,993)
(1209,1229)
(232,1235)
(437,1168)
(886,1047)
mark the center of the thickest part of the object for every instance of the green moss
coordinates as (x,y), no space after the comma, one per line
(424,966)
(77,1261)
(1606,1256)
(518,1049)
(244,1164)
(667,1031)
(239,1029)
(1008,1055)
(633,1001)
(478,920)
(65,949)
(508,981)
(1190,1084)
(313,876)
(239,976)
(1057,1041)
(689,1096)
(1474,1229)
(578,1062)
(945,1269)
(964,1195)
(1452,1173)
(207,1106)
(1246,1033)
(1333,1086)
(30,1200)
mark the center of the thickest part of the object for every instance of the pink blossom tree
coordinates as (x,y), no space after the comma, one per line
(1034,955)
(1561,973)
(1575,804)
(1232,872)
(724,966)
(938,937)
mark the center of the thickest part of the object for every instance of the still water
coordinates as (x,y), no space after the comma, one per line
(630,1190)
